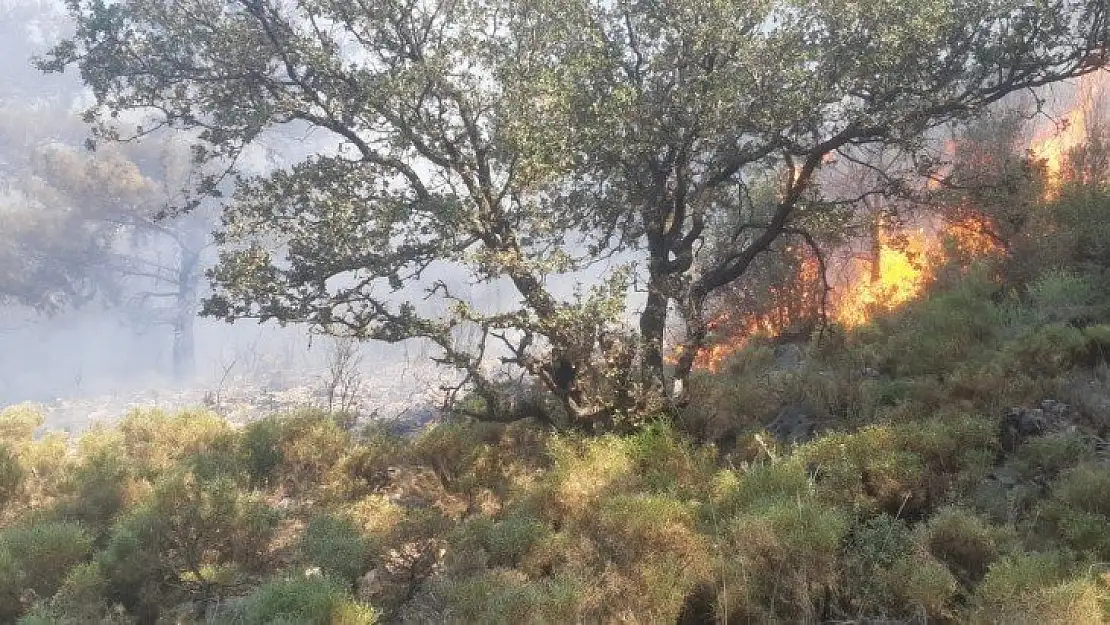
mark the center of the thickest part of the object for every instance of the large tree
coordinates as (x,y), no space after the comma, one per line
(526,140)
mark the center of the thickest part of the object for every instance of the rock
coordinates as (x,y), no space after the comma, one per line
(1019,425)
(370,585)
(788,357)
(794,424)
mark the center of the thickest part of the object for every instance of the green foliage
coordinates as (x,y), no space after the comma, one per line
(187,526)
(1045,457)
(310,446)
(18,423)
(154,442)
(1038,588)
(12,477)
(503,542)
(937,334)
(306,600)
(1079,511)
(11,585)
(506,596)
(336,546)
(781,561)
(82,593)
(884,573)
(97,489)
(260,447)
(1065,296)
(44,553)
(966,544)
(450,450)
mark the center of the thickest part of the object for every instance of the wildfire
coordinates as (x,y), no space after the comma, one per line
(1055,144)
(903,266)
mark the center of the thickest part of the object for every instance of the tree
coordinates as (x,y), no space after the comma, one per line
(522,141)
(155,265)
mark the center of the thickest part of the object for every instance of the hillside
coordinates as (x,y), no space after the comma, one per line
(945,462)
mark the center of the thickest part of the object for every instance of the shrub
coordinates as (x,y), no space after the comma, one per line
(502,543)
(12,478)
(867,471)
(966,544)
(189,525)
(313,600)
(48,462)
(82,593)
(45,552)
(11,584)
(1064,296)
(1034,589)
(781,561)
(97,488)
(505,596)
(886,574)
(335,545)
(451,451)
(1045,457)
(154,442)
(1079,511)
(1048,350)
(365,467)
(18,423)
(260,447)
(939,333)
(311,444)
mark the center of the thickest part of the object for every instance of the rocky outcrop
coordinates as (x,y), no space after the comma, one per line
(794,425)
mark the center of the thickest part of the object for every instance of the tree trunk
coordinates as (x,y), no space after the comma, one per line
(185,316)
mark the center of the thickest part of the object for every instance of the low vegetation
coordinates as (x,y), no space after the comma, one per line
(956,471)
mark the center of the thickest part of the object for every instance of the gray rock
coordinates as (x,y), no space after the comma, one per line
(794,424)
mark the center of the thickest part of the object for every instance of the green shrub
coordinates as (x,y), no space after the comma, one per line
(503,542)
(1046,457)
(867,471)
(1048,350)
(188,526)
(11,584)
(97,488)
(12,477)
(307,601)
(18,423)
(884,573)
(938,333)
(966,544)
(335,545)
(451,451)
(260,446)
(505,596)
(1037,588)
(82,593)
(45,552)
(154,442)
(1079,511)
(311,445)
(781,562)
(1064,296)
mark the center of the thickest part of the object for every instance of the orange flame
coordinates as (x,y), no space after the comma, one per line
(907,264)
(1055,144)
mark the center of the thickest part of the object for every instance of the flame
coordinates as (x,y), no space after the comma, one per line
(907,262)
(1055,144)
(904,270)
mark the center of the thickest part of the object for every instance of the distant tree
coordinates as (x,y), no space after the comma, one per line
(522,141)
(77,226)
(155,262)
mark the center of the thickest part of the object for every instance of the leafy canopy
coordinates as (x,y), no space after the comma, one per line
(513,143)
